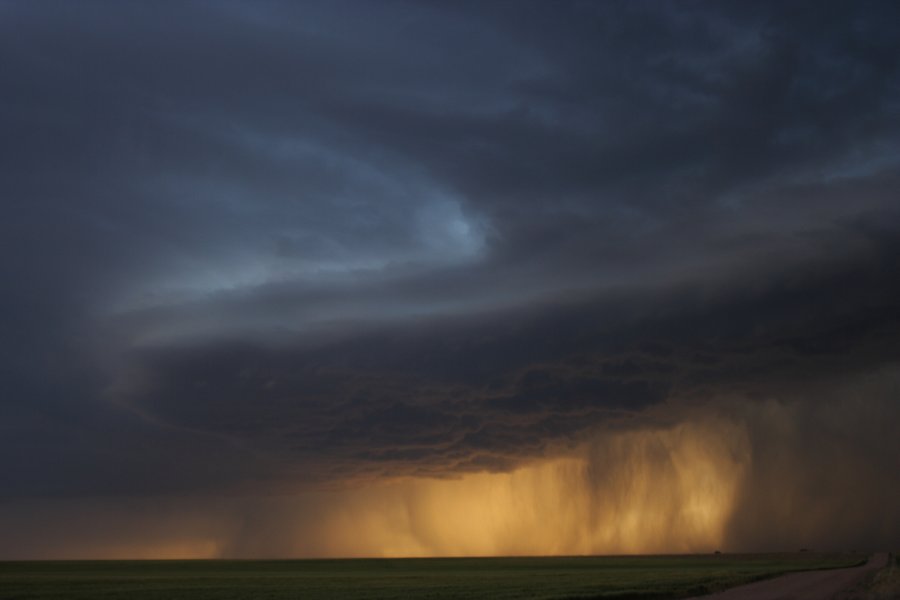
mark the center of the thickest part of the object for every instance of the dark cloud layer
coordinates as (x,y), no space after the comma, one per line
(480,393)
(273,246)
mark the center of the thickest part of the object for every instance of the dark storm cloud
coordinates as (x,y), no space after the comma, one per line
(475,393)
(330,241)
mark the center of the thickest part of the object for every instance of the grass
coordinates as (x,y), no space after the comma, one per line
(418,579)
(881,585)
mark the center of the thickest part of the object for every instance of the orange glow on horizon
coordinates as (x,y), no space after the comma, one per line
(670,490)
(661,490)
(737,478)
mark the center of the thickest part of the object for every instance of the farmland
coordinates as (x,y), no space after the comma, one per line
(535,578)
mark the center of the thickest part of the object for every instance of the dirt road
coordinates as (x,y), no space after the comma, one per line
(810,585)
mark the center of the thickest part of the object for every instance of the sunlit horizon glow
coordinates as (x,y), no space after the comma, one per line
(735,478)
(665,491)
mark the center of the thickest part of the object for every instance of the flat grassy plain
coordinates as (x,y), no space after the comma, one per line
(628,577)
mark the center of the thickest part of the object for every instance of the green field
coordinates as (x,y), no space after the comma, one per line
(495,578)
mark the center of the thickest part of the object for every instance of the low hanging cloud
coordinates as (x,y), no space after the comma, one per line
(736,474)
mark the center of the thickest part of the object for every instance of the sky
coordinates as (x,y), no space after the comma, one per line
(306,279)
